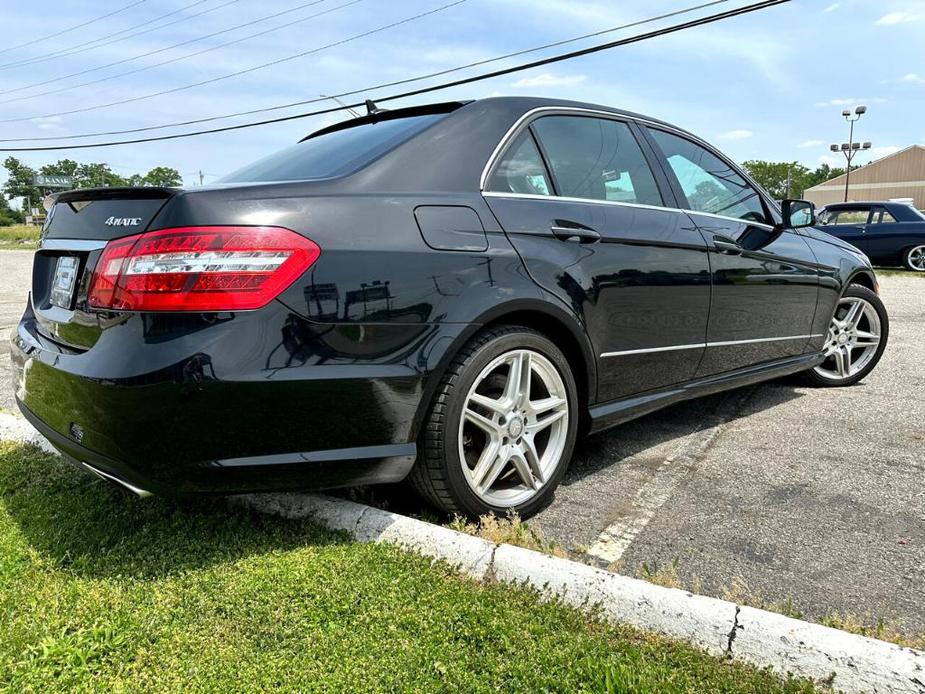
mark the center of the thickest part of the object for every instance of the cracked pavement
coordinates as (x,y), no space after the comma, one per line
(778,491)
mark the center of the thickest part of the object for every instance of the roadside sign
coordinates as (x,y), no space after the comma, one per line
(49,181)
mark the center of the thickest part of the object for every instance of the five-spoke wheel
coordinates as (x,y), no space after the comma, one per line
(514,427)
(502,426)
(855,341)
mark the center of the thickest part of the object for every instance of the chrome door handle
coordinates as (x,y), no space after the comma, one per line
(582,235)
(727,246)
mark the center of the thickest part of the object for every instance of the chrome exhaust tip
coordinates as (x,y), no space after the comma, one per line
(140,493)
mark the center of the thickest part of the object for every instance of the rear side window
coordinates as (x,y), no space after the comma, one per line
(597,159)
(709,183)
(883,216)
(334,154)
(522,170)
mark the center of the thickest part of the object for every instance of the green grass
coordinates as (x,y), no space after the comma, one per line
(100,591)
(20,236)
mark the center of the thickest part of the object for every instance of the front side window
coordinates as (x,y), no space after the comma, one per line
(522,170)
(710,184)
(596,159)
(847,216)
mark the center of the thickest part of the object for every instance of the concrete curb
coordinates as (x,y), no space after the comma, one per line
(847,662)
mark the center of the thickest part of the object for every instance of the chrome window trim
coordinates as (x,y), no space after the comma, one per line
(703,345)
(71,245)
(661,208)
(515,130)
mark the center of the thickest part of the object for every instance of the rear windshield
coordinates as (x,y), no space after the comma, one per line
(335,154)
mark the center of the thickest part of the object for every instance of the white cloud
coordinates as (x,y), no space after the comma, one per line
(831,8)
(49,123)
(550,80)
(880,152)
(852,101)
(735,135)
(811,143)
(913,78)
(832,160)
(897,18)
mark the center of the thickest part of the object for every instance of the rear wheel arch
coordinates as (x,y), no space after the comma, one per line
(552,322)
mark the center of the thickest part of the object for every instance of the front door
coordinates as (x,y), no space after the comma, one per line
(849,224)
(765,280)
(593,228)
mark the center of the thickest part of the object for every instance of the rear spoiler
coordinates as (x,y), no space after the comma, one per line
(380,115)
(139,193)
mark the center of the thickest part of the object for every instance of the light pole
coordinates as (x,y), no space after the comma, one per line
(851,148)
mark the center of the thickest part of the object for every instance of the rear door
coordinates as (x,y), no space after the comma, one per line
(595,224)
(78,227)
(765,280)
(885,238)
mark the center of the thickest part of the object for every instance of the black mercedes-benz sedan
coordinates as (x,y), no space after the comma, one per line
(889,233)
(449,293)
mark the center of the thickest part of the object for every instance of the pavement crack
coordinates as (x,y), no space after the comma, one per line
(356,527)
(490,576)
(731,636)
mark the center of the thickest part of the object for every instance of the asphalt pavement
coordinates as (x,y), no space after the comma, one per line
(814,496)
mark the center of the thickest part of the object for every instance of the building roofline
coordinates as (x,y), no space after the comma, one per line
(841,178)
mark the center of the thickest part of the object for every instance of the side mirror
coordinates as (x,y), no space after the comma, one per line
(798,214)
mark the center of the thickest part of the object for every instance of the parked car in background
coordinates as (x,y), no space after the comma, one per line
(451,293)
(889,233)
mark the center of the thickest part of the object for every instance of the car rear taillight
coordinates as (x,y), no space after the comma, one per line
(223,268)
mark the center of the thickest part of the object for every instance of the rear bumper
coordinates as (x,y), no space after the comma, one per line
(198,417)
(281,472)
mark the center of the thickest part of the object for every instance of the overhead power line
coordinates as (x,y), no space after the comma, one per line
(238,73)
(111,37)
(367,89)
(250,23)
(73,28)
(708,19)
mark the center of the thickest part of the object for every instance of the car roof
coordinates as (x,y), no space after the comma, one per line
(498,103)
(865,203)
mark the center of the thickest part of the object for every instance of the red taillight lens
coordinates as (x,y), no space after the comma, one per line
(199,269)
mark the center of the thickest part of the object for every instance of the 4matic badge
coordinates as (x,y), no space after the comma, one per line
(123,221)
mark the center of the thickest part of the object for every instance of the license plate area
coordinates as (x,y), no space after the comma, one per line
(65,279)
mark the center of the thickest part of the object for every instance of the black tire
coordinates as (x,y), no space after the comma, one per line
(438,474)
(908,258)
(813,378)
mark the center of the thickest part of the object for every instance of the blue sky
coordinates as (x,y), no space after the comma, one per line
(770,85)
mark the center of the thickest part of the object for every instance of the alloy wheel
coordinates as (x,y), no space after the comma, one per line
(916,259)
(514,428)
(852,340)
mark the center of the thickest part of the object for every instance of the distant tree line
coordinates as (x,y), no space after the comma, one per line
(20,181)
(773,176)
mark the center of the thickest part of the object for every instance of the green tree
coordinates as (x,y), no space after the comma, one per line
(19,181)
(8,215)
(97,176)
(823,173)
(774,177)
(164,176)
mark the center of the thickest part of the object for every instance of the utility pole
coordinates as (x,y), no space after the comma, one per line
(851,148)
(200,176)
